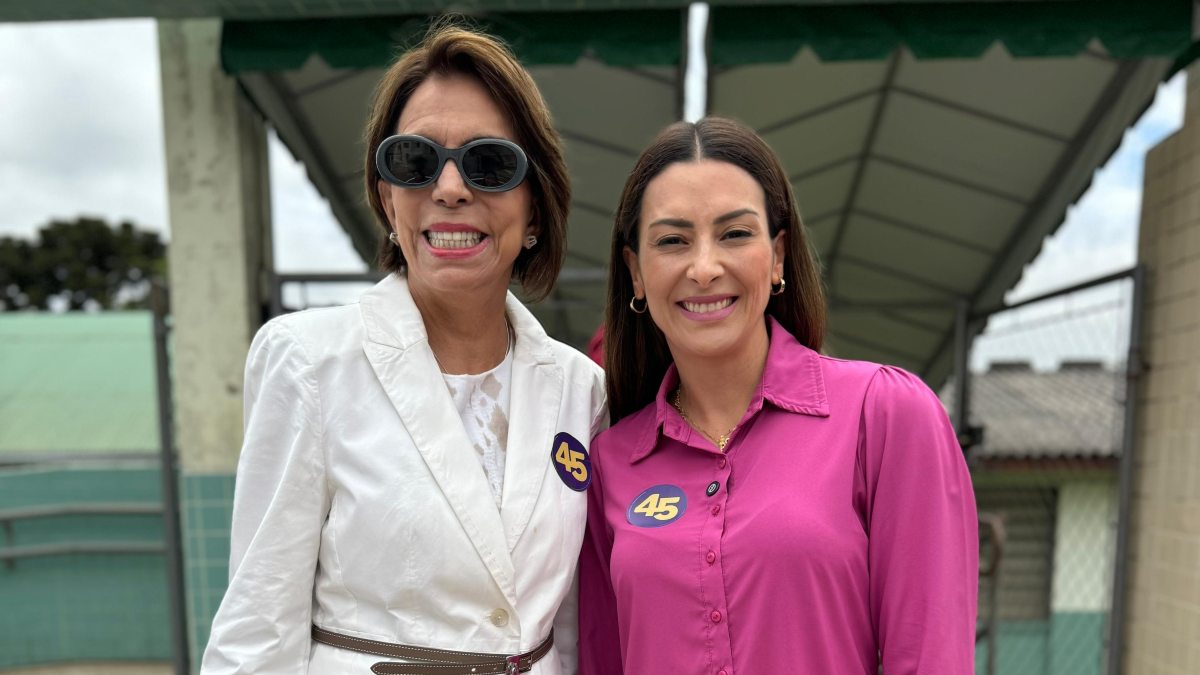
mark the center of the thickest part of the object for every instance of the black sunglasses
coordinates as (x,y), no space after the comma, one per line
(486,164)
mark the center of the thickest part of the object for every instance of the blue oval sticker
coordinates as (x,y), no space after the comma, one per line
(657,506)
(571,461)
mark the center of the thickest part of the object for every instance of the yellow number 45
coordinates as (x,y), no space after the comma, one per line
(571,460)
(658,508)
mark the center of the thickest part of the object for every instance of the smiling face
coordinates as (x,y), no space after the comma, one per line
(706,259)
(456,239)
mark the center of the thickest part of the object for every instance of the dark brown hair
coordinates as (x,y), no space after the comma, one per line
(636,356)
(450,48)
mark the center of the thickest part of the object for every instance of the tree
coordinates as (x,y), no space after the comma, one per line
(80,264)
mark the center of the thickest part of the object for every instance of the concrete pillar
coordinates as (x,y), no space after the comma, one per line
(1162,628)
(218,190)
(1084,539)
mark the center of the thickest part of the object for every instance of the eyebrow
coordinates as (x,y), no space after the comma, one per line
(687,224)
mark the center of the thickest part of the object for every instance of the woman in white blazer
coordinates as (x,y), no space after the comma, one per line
(410,494)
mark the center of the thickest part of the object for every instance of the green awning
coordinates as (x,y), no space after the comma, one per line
(743,34)
(617,38)
(773,34)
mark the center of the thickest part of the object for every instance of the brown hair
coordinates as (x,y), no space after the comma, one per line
(636,353)
(450,48)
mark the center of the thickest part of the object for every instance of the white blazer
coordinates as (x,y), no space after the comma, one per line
(361,506)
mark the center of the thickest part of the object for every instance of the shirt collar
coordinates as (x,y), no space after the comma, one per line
(792,381)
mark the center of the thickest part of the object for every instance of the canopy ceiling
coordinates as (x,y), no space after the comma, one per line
(932,146)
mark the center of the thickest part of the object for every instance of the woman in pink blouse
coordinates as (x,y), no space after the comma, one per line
(757,507)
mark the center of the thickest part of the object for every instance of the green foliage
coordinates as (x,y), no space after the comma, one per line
(80,264)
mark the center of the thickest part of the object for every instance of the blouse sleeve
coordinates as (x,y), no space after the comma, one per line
(923,549)
(599,639)
(279,506)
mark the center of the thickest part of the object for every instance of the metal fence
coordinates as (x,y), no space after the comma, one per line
(89,536)
(1048,430)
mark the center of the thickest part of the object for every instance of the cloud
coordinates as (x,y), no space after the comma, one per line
(83,135)
(307,236)
(1099,234)
(82,124)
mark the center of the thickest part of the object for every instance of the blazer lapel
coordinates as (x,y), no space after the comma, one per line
(398,350)
(537,383)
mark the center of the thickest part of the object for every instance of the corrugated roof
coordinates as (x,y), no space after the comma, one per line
(77,383)
(1075,412)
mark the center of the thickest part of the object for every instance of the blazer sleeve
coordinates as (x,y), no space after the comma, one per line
(280,504)
(566,622)
(923,549)
(599,635)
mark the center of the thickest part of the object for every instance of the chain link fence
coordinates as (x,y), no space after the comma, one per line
(1046,422)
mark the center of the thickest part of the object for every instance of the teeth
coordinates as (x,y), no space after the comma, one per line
(706,307)
(454,239)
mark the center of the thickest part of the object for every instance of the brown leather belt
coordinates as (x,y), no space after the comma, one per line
(435,661)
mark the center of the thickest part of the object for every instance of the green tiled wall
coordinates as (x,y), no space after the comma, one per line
(82,607)
(206,508)
(1077,643)
(1021,650)
(1070,643)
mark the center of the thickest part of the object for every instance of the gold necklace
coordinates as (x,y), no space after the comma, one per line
(720,442)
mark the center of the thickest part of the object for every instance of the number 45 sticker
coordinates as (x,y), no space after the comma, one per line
(571,461)
(657,506)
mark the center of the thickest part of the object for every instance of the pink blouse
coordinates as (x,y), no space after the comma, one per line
(837,530)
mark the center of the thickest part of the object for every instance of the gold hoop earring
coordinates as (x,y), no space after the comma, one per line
(645,305)
(780,289)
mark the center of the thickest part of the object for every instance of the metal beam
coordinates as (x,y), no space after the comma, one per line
(337,78)
(81,548)
(598,143)
(822,168)
(819,110)
(949,179)
(1002,273)
(926,232)
(1134,367)
(875,346)
(902,275)
(868,146)
(982,114)
(269,94)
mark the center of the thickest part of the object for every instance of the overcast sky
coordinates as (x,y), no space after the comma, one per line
(81,133)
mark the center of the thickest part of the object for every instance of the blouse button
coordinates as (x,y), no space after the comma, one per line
(722,672)
(711,557)
(499,618)
(712,488)
(715,616)
(716,509)
(721,465)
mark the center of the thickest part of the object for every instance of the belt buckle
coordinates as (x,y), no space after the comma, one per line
(513,665)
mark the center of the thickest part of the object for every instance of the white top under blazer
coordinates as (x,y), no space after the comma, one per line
(360,505)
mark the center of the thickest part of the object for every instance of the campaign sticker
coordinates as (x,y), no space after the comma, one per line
(657,506)
(571,461)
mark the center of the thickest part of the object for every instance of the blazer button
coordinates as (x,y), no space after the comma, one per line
(499,618)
